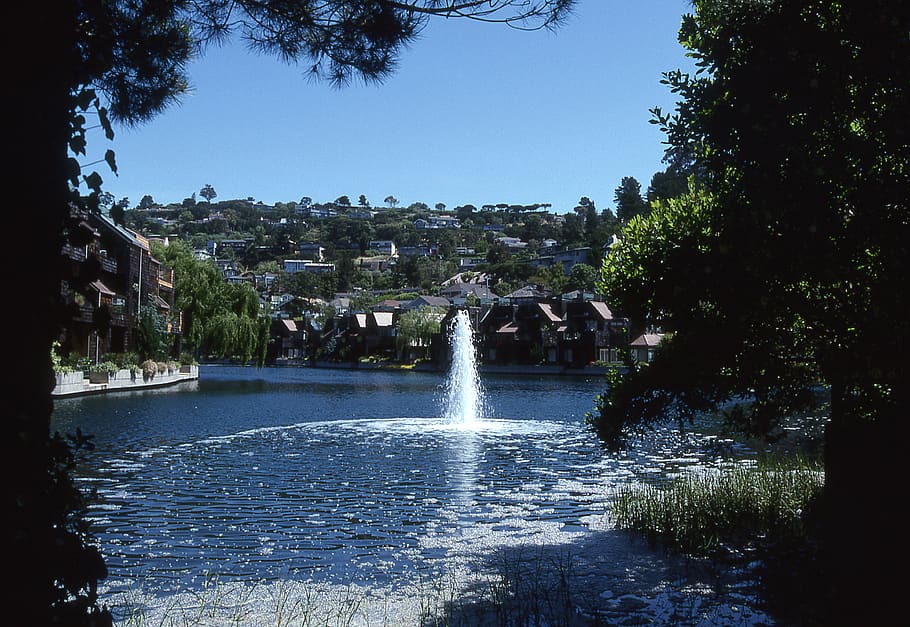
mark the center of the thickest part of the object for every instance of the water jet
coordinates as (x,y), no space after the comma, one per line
(464,397)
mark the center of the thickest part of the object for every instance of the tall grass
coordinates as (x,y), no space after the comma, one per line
(703,512)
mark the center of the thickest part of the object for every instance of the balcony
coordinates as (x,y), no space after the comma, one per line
(76,254)
(108,264)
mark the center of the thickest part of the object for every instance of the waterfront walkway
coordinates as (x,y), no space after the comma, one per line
(78,384)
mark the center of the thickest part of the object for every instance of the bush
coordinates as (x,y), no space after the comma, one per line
(149,369)
(187,359)
(123,360)
(104,366)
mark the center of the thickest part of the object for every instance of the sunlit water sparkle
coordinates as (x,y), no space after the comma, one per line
(335,484)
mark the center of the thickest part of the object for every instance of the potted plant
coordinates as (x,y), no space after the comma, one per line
(149,369)
(102,372)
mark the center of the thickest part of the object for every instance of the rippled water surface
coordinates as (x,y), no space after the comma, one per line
(341,478)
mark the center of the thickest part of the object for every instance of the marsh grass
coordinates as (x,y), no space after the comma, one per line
(706,512)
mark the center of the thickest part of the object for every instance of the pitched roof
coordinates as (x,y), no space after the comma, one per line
(428,301)
(383,318)
(601,309)
(548,312)
(647,340)
(509,328)
(528,291)
(102,288)
(290,325)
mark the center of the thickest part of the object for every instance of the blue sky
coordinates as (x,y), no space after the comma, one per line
(476,113)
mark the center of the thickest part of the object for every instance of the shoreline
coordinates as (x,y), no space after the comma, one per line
(488,369)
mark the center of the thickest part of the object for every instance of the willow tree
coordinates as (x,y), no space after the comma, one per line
(782,273)
(88,64)
(417,327)
(220,320)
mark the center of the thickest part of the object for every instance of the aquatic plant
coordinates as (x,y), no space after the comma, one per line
(701,513)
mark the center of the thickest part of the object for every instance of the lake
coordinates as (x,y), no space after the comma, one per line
(344,497)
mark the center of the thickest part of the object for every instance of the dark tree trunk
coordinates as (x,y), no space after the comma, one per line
(39,73)
(864,513)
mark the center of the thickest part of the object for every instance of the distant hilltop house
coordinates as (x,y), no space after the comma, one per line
(462,293)
(424,250)
(292,266)
(512,243)
(237,245)
(384,247)
(311,250)
(437,222)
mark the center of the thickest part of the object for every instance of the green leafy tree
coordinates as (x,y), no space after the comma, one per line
(416,329)
(582,277)
(783,268)
(152,339)
(208,192)
(629,202)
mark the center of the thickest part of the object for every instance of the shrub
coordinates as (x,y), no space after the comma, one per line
(104,366)
(187,359)
(149,369)
(161,367)
(57,361)
(124,360)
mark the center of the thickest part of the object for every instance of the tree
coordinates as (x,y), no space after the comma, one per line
(208,192)
(152,339)
(787,257)
(669,183)
(629,202)
(391,201)
(343,201)
(582,277)
(127,67)
(416,328)
(363,202)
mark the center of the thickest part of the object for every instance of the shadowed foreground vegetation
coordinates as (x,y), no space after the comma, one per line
(703,513)
(761,512)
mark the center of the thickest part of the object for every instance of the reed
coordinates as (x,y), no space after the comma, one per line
(702,513)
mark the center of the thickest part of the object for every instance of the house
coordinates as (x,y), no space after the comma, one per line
(461,293)
(644,347)
(311,250)
(427,301)
(383,247)
(288,341)
(512,243)
(466,263)
(511,334)
(571,257)
(292,266)
(592,333)
(437,222)
(380,333)
(529,294)
(110,278)
(424,250)
(235,245)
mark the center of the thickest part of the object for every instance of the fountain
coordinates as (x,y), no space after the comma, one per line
(464,400)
